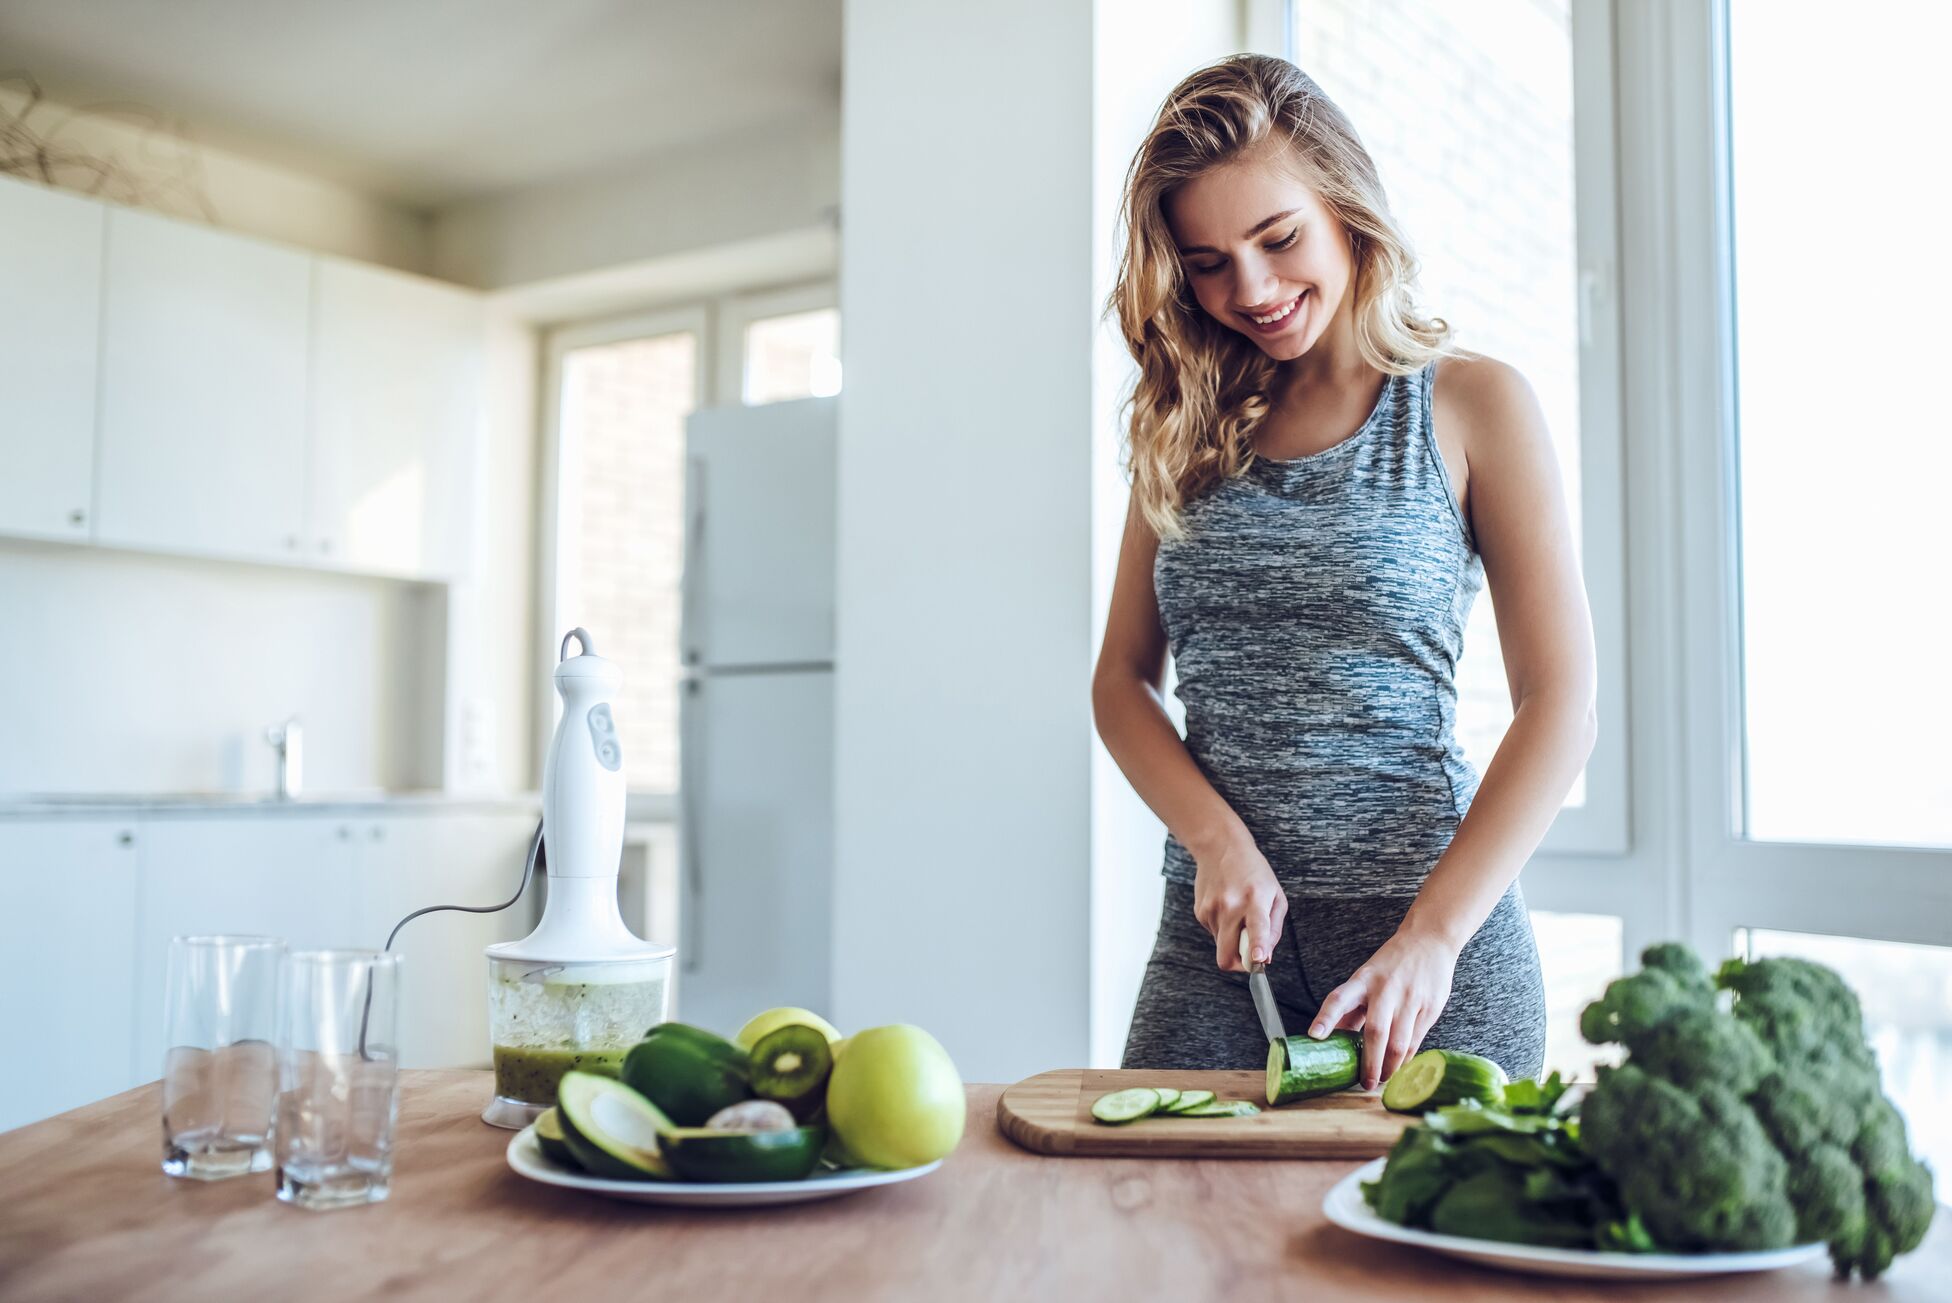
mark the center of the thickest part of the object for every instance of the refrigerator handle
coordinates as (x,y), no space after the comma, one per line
(690,770)
(693,561)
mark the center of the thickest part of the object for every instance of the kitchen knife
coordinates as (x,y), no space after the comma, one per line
(1263,994)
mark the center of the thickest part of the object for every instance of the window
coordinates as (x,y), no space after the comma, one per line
(621,415)
(1906,992)
(621,392)
(778,344)
(1844,452)
(794,356)
(1469,115)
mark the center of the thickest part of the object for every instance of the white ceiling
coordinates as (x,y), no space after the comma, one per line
(427,101)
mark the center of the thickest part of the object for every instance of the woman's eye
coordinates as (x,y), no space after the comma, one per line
(1272,248)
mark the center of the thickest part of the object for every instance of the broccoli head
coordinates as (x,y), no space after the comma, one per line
(1756,1126)
(1695,1162)
(1638,1003)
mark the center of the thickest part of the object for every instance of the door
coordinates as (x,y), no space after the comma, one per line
(203,389)
(51,283)
(760,490)
(68,927)
(756,841)
(395,402)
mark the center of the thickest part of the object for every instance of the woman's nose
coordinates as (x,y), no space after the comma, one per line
(1256,285)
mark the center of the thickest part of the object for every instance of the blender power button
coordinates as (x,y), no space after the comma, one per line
(603,732)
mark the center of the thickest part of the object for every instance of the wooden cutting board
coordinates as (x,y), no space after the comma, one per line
(1051,1114)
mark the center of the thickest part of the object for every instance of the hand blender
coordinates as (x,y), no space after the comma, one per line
(582,989)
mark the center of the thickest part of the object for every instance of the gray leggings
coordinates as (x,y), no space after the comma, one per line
(1191,1015)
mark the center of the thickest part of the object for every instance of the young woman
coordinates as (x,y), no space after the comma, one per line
(1321,482)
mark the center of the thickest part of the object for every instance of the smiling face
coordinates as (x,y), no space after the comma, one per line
(1256,242)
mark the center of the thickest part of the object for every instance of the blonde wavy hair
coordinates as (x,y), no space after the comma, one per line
(1203,390)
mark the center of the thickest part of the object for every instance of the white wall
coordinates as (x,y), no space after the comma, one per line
(978,490)
(129,673)
(1144,47)
(964,735)
(246,196)
(491,672)
(740,186)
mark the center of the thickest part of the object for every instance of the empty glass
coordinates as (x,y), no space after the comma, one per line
(220,1021)
(338,1080)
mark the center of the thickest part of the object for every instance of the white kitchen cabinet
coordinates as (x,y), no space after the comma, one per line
(396,398)
(409,861)
(204,356)
(88,907)
(67,929)
(287,875)
(51,290)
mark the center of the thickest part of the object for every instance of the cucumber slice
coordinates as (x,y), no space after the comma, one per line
(1222,1108)
(1167,1098)
(610,1129)
(1189,1099)
(1299,1068)
(549,1139)
(1122,1106)
(1436,1078)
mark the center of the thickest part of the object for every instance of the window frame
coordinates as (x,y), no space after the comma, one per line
(556,555)
(735,312)
(1689,872)
(719,323)
(1880,893)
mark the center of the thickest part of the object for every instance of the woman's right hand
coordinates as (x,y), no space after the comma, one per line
(1235,889)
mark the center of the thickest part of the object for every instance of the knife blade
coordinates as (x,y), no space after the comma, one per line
(1257,986)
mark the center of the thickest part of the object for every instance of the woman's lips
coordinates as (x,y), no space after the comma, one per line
(1281,323)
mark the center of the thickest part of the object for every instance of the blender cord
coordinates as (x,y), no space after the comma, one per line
(536,856)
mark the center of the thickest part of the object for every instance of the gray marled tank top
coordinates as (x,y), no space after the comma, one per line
(1315,611)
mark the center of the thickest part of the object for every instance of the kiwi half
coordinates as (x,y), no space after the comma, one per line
(790,1064)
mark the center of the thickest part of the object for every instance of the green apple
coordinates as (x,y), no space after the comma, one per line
(895,1098)
(773,1019)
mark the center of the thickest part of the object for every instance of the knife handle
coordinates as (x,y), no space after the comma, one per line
(1247,960)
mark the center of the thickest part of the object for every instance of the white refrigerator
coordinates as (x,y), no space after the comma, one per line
(756,712)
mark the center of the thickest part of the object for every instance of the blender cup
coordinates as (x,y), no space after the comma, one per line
(545,1019)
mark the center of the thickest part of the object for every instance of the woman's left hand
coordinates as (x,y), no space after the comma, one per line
(1393,999)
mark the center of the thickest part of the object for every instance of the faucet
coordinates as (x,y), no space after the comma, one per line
(289,739)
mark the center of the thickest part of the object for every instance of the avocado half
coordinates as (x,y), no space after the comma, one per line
(611,1130)
(702,1154)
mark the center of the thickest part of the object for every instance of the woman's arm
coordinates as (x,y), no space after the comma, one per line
(1235,887)
(1518,514)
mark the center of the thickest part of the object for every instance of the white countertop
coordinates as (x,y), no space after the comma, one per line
(125,805)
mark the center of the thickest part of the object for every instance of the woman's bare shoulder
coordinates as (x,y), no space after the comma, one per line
(1482,398)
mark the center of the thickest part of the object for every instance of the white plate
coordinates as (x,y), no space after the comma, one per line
(1344,1207)
(526,1157)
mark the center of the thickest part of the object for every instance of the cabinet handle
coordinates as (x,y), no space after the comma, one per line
(77,517)
(345,834)
(291,542)
(125,839)
(325,547)
(379,833)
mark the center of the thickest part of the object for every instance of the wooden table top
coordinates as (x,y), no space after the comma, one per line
(86,1213)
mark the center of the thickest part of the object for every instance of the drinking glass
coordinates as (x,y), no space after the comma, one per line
(338,1080)
(220,1021)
